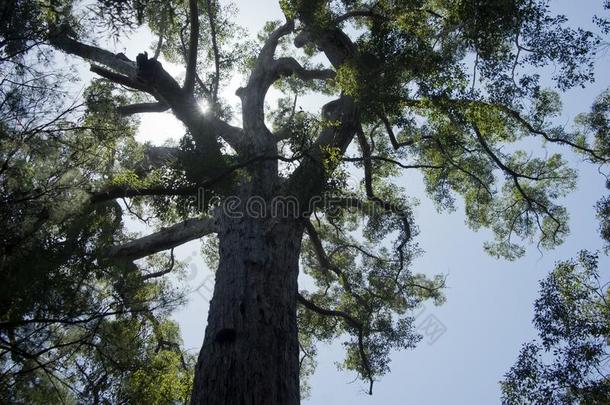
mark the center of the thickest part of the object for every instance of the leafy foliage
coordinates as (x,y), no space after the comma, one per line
(74,327)
(569,362)
(450,88)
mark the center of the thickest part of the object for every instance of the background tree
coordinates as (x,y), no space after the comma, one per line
(436,86)
(569,364)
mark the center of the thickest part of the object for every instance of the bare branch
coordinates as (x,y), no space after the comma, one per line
(148,75)
(120,79)
(142,108)
(167,238)
(119,63)
(268,50)
(253,94)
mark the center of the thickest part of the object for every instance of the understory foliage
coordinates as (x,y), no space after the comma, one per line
(449,89)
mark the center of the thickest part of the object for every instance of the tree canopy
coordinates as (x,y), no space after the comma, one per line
(456,90)
(569,362)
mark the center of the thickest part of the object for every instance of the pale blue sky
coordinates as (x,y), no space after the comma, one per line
(489,302)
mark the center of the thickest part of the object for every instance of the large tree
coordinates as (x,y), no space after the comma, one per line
(450,88)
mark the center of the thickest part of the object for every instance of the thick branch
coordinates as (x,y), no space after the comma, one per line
(253,94)
(167,238)
(358,13)
(120,79)
(119,63)
(149,76)
(266,54)
(290,66)
(142,108)
(309,179)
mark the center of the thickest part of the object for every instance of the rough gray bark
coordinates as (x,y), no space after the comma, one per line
(250,351)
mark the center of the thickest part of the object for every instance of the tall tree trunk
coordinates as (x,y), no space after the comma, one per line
(250,351)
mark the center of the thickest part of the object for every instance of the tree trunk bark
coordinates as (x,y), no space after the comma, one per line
(250,354)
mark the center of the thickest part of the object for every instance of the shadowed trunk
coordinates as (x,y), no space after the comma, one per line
(250,351)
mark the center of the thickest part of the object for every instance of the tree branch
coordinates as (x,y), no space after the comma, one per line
(368,185)
(351,321)
(253,94)
(149,76)
(167,238)
(388,127)
(215,84)
(517,117)
(163,272)
(119,63)
(142,108)
(120,79)
(268,50)
(394,162)
(114,192)
(357,13)
(290,66)
(309,179)
(191,67)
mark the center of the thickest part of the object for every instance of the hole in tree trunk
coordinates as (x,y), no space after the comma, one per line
(226,335)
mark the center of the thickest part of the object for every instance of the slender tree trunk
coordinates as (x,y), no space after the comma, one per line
(250,351)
